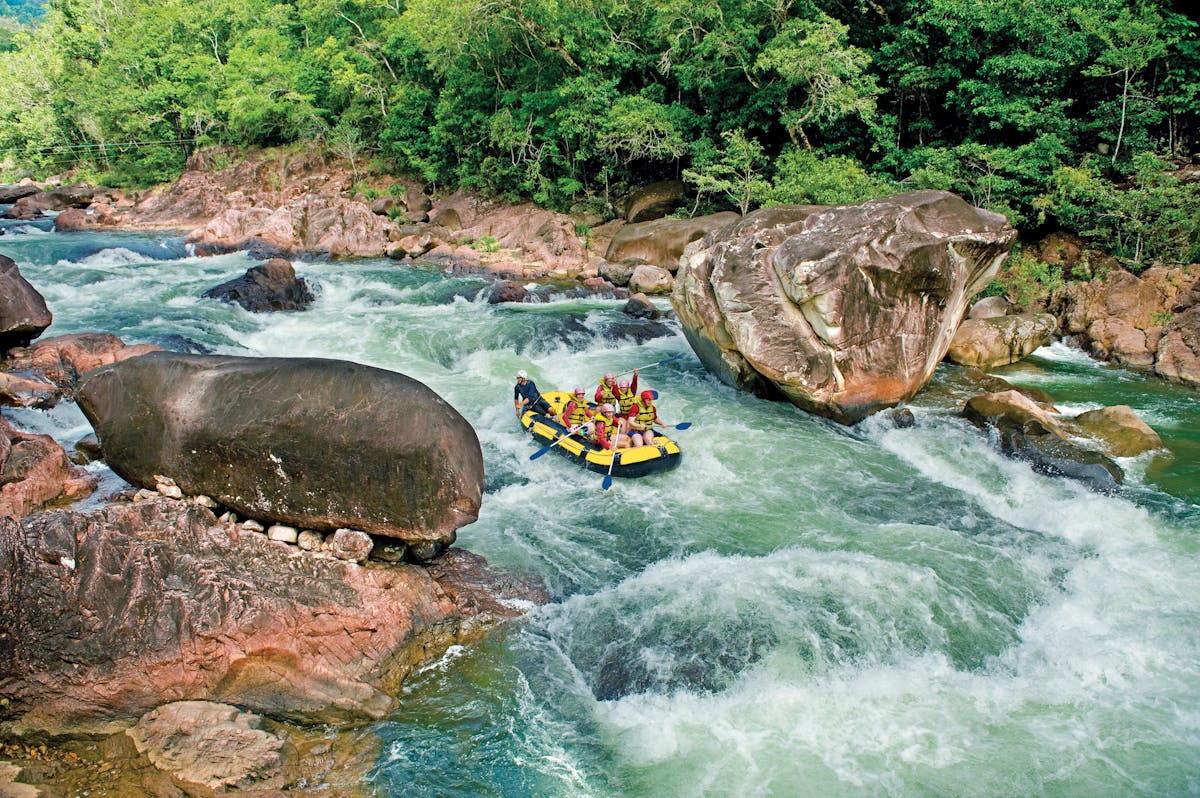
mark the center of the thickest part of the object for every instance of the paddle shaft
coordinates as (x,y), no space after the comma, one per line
(555,442)
(656,363)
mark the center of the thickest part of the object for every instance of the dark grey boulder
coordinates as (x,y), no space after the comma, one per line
(315,444)
(507,291)
(269,286)
(23,311)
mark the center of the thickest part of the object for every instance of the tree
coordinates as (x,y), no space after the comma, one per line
(813,57)
(735,171)
(1132,39)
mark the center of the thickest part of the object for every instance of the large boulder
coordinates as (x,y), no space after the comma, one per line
(654,201)
(266,287)
(661,242)
(23,311)
(315,444)
(985,343)
(107,615)
(13,193)
(842,310)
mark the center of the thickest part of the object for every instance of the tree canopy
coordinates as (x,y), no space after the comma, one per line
(1039,110)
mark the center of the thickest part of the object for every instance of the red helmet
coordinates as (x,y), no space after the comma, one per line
(647,395)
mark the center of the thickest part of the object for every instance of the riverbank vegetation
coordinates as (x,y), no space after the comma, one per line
(1054,114)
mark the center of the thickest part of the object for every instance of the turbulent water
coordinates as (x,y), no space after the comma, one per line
(799,609)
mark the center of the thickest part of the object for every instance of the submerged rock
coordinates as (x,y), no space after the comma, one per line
(315,444)
(1028,432)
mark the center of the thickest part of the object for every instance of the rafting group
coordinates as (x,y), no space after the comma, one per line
(613,433)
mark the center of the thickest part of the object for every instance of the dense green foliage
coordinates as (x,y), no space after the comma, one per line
(1049,112)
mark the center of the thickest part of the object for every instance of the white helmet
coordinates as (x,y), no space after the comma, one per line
(522,375)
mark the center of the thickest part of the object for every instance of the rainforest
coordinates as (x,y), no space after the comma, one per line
(1059,114)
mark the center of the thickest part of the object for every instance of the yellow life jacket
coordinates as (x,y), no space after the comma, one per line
(646,413)
(606,394)
(610,428)
(578,415)
(625,399)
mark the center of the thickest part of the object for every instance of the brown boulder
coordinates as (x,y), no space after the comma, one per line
(107,615)
(540,235)
(62,359)
(23,312)
(35,472)
(1120,430)
(843,310)
(311,443)
(985,343)
(647,279)
(654,201)
(1121,317)
(662,242)
(990,308)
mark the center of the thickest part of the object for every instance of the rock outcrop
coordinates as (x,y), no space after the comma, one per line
(315,444)
(1123,318)
(267,287)
(842,310)
(57,363)
(318,223)
(107,615)
(985,343)
(1178,356)
(35,472)
(23,311)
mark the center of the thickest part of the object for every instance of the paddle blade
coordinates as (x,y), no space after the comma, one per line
(683,425)
(655,394)
(607,482)
(668,360)
(541,452)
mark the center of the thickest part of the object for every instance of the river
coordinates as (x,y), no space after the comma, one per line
(799,609)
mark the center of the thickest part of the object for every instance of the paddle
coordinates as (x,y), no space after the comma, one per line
(608,477)
(680,425)
(658,363)
(555,442)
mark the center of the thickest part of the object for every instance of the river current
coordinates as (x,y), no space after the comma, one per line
(801,609)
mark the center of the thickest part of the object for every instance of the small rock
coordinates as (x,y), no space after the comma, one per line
(205,501)
(309,540)
(281,532)
(229,517)
(144,495)
(903,418)
(170,491)
(351,544)
(250,525)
